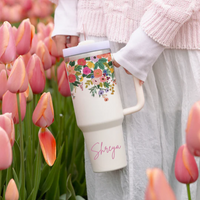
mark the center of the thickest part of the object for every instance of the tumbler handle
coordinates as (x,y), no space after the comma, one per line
(140,98)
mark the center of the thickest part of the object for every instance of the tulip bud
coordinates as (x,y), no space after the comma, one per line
(36,74)
(50,73)
(60,69)
(43,115)
(193,130)
(51,45)
(186,170)
(158,188)
(18,79)
(11,191)
(6,122)
(3,83)
(10,105)
(25,33)
(48,145)
(5,150)
(7,44)
(44,55)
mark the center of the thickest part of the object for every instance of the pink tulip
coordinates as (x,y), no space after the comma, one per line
(3,83)
(48,145)
(25,33)
(18,79)
(51,45)
(158,188)
(36,74)
(44,55)
(9,104)
(12,191)
(36,38)
(186,170)
(60,69)
(26,58)
(193,130)
(6,122)
(2,66)
(43,115)
(63,85)
(5,150)
(7,44)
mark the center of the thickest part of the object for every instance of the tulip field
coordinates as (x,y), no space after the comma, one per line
(41,147)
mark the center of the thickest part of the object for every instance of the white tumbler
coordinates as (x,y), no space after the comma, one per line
(97,103)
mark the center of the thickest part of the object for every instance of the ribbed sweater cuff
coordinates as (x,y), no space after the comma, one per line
(159,26)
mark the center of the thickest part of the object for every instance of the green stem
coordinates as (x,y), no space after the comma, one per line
(188,191)
(60,131)
(22,175)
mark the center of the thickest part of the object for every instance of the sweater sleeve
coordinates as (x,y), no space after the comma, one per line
(163,18)
(65,18)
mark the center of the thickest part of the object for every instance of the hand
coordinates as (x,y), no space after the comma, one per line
(65,41)
(116,64)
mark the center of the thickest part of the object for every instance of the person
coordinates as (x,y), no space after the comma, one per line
(157,41)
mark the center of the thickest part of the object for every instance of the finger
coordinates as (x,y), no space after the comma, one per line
(116,64)
(127,71)
(60,41)
(74,40)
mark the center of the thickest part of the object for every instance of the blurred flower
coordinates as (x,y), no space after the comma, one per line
(6,122)
(48,145)
(193,130)
(60,69)
(45,30)
(97,73)
(25,33)
(18,79)
(63,85)
(43,115)
(11,191)
(7,44)
(36,38)
(26,58)
(3,83)
(5,150)
(186,170)
(44,55)
(51,45)
(28,94)
(50,73)
(9,104)
(158,188)
(36,74)
(2,66)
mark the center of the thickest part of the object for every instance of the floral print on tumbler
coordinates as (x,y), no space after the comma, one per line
(95,73)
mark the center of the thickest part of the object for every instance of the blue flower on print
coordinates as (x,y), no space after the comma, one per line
(92,76)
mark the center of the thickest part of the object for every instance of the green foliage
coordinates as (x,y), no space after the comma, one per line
(66,178)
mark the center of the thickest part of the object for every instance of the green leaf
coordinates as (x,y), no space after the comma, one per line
(101,65)
(89,76)
(96,65)
(78,68)
(16,178)
(110,63)
(88,58)
(106,84)
(102,60)
(77,78)
(70,190)
(72,63)
(79,198)
(106,64)
(84,75)
(50,178)
(71,87)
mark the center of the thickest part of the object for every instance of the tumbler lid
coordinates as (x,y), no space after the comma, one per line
(86,47)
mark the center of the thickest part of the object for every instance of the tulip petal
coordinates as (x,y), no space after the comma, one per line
(12,191)
(4,38)
(63,86)
(18,79)
(48,145)
(158,187)
(3,83)
(5,150)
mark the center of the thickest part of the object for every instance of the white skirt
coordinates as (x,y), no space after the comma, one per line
(154,134)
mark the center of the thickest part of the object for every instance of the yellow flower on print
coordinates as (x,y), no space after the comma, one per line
(90,65)
(81,79)
(111,70)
